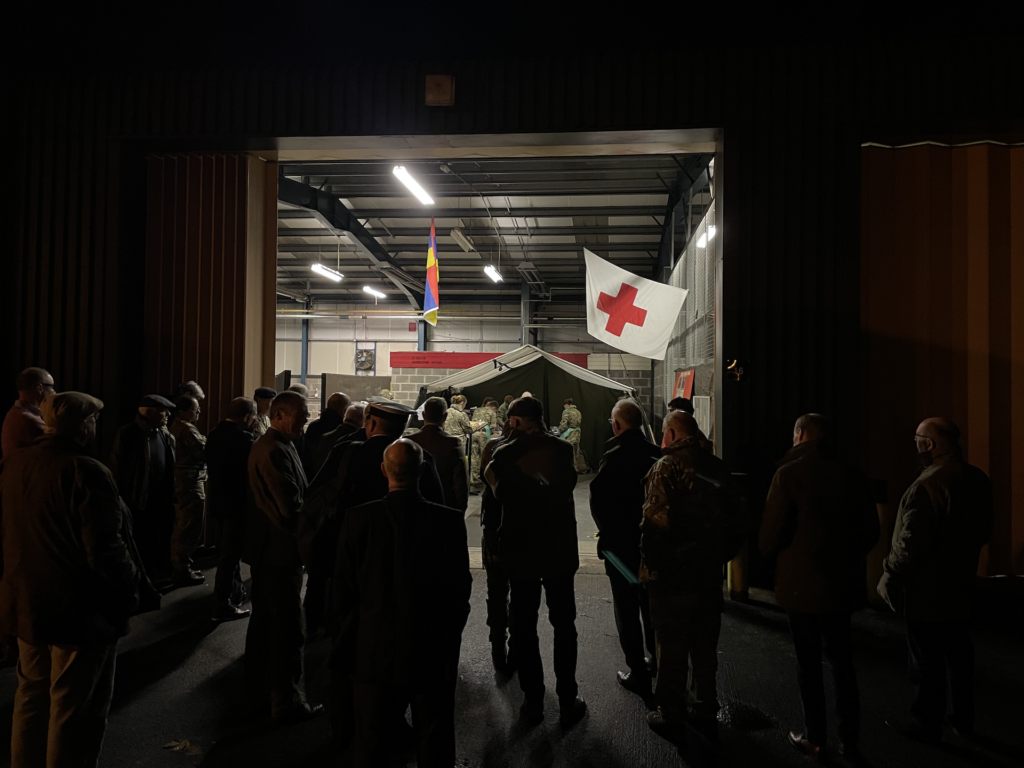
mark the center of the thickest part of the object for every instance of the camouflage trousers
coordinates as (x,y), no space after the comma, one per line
(580,463)
(479,441)
(190,490)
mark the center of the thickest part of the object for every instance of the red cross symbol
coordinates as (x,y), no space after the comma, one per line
(621,309)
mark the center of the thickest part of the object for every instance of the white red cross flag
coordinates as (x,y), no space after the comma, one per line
(629,312)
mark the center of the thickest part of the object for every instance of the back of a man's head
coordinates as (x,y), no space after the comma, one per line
(435,410)
(30,378)
(683,404)
(339,402)
(191,389)
(300,389)
(814,426)
(943,431)
(240,409)
(354,415)
(626,415)
(528,411)
(682,424)
(403,460)
(71,414)
(286,403)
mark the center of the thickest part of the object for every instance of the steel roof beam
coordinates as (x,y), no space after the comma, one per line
(479,213)
(397,248)
(640,229)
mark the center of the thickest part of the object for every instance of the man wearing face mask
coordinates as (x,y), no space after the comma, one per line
(143,465)
(944,520)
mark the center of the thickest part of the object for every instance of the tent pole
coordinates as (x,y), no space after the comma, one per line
(524,310)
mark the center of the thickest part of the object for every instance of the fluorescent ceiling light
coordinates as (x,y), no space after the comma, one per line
(373,292)
(494,274)
(410,182)
(464,242)
(327,272)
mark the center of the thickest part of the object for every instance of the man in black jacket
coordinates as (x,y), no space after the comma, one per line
(402,599)
(820,521)
(617,505)
(332,418)
(143,465)
(533,476)
(350,429)
(227,451)
(68,586)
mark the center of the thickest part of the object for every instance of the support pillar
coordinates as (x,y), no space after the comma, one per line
(421,335)
(304,360)
(524,310)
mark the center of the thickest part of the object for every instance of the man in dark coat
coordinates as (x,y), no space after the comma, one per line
(447,451)
(944,520)
(498,615)
(274,640)
(533,476)
(694,523)
(227,454)
(350,429)
(402,599)
(67,589)
(821,522)
(332,418)
(143,465)
(617,506)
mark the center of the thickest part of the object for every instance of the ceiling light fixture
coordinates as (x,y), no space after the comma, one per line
(412,185)
(464,242)
(327,272)
(494,274)
(373,292)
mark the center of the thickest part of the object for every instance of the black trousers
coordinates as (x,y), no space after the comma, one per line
(377,708)
(228,582)
(497,598)
(274,640)
(687,626)
(560,592)
(315,603)
(941,661)
(811,632)
(632,620)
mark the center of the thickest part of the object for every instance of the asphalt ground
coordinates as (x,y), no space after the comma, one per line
(179,679)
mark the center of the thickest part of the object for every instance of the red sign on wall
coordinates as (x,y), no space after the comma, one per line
(461,360)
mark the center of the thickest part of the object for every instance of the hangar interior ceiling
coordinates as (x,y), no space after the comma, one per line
(530,218)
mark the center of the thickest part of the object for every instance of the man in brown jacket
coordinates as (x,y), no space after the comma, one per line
(274,640)
(821,522)
(448,453)
(944,520)
(23,423)
(67,589)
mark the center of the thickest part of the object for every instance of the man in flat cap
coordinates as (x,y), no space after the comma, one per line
(189,491)
(263,396)
(68,586)
(533,476)
(143,465)
(403,568)
(273,643)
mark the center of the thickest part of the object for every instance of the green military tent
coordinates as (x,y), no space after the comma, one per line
(551,380)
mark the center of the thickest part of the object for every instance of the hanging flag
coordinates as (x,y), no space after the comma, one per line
(431,297)
(628,312)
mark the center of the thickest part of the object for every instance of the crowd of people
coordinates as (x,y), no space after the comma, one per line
(370,514)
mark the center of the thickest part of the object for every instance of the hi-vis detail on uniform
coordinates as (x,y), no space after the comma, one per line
(629,312)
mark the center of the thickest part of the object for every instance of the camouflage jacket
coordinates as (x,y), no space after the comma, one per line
(571,418)
(694,520)
(488,416)
(457,422)
(189,447)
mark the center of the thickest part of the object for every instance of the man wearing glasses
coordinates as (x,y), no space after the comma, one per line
(24,423)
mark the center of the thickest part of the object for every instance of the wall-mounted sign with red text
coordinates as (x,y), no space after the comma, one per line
(462,360)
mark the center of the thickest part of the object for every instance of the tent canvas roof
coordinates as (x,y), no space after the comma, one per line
(515,359)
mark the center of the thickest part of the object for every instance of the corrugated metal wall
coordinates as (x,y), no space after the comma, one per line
(942,265)
(793,122)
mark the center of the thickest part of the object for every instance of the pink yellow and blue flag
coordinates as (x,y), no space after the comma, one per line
(431,298)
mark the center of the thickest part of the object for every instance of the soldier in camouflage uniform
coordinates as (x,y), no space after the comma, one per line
(694,522)
(570,425)
(189,491)
(457,422)
(487,417)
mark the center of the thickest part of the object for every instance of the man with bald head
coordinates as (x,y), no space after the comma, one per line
(944,520)
(24,423)
(332,417)
(273,643)
(694,523)
(402,587)
(617,505)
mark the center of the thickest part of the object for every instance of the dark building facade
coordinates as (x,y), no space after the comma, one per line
(85,254)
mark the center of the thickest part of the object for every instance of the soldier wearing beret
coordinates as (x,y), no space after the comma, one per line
(263,396)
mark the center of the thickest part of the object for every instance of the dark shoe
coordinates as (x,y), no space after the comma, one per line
(229,613)
(571,712)
(299,712)
(812,750)
(633,683)
(242,596)
(667,729)
(532,712)
(188,578)
(914,730)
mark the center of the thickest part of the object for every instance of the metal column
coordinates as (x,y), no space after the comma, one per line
(304,363)
(421,335)
(524,310)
